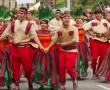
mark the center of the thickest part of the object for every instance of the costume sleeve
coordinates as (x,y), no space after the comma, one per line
(87,26)
(32,32)
(55,36)
(7,31)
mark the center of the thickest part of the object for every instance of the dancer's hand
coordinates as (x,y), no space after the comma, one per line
(42,49)
(16,42)
(63,44)
(108,37)
(46,50)
(106,34)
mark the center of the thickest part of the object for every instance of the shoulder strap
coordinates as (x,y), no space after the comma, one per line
(12,26)
(28,27)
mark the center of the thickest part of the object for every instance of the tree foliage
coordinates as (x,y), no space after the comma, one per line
(82,3)
(78,6)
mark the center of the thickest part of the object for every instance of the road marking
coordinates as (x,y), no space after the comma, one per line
(106,88)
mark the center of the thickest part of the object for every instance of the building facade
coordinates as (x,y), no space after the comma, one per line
(12,3)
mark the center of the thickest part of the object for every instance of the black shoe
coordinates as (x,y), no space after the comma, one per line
(30,86)
(9,87)
(98,77)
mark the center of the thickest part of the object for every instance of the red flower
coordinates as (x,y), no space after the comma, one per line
(94,24)
(70,33)
(105,24)
(59,33)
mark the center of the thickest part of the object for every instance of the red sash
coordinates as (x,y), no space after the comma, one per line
(27,27)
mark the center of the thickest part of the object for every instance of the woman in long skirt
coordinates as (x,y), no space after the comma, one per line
(45,65)
(83,51)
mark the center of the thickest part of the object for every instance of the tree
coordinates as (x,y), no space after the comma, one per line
(60,3)
(76,4)
(2,2)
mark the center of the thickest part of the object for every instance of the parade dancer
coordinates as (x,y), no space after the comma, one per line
(83,50)
(7,42)
(98,44)
(107,17)
(55,23)
(68,12)
(5,75)
(45,69)
(31,18)
(7,20)
(104,69)
(67,38)
(21,54)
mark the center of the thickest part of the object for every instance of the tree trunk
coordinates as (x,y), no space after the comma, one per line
(9,5)
(2,2)
(73,3)
(15,4)
(55,3)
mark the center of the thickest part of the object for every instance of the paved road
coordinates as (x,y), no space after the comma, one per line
(84,84)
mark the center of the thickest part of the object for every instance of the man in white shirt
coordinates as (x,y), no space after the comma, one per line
(21,53)
(67,37)
(56,22)
(30,17)
(72,22)
(107,17)
(98,43)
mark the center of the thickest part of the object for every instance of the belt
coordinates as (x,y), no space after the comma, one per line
(98,40)
(27,45)
(69,47)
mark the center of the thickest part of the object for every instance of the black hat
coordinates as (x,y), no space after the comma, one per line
(97,11)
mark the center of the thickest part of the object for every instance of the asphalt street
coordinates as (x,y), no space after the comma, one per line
(85,83)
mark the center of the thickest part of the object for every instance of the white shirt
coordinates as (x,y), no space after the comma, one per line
(98,27)
(55,24)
